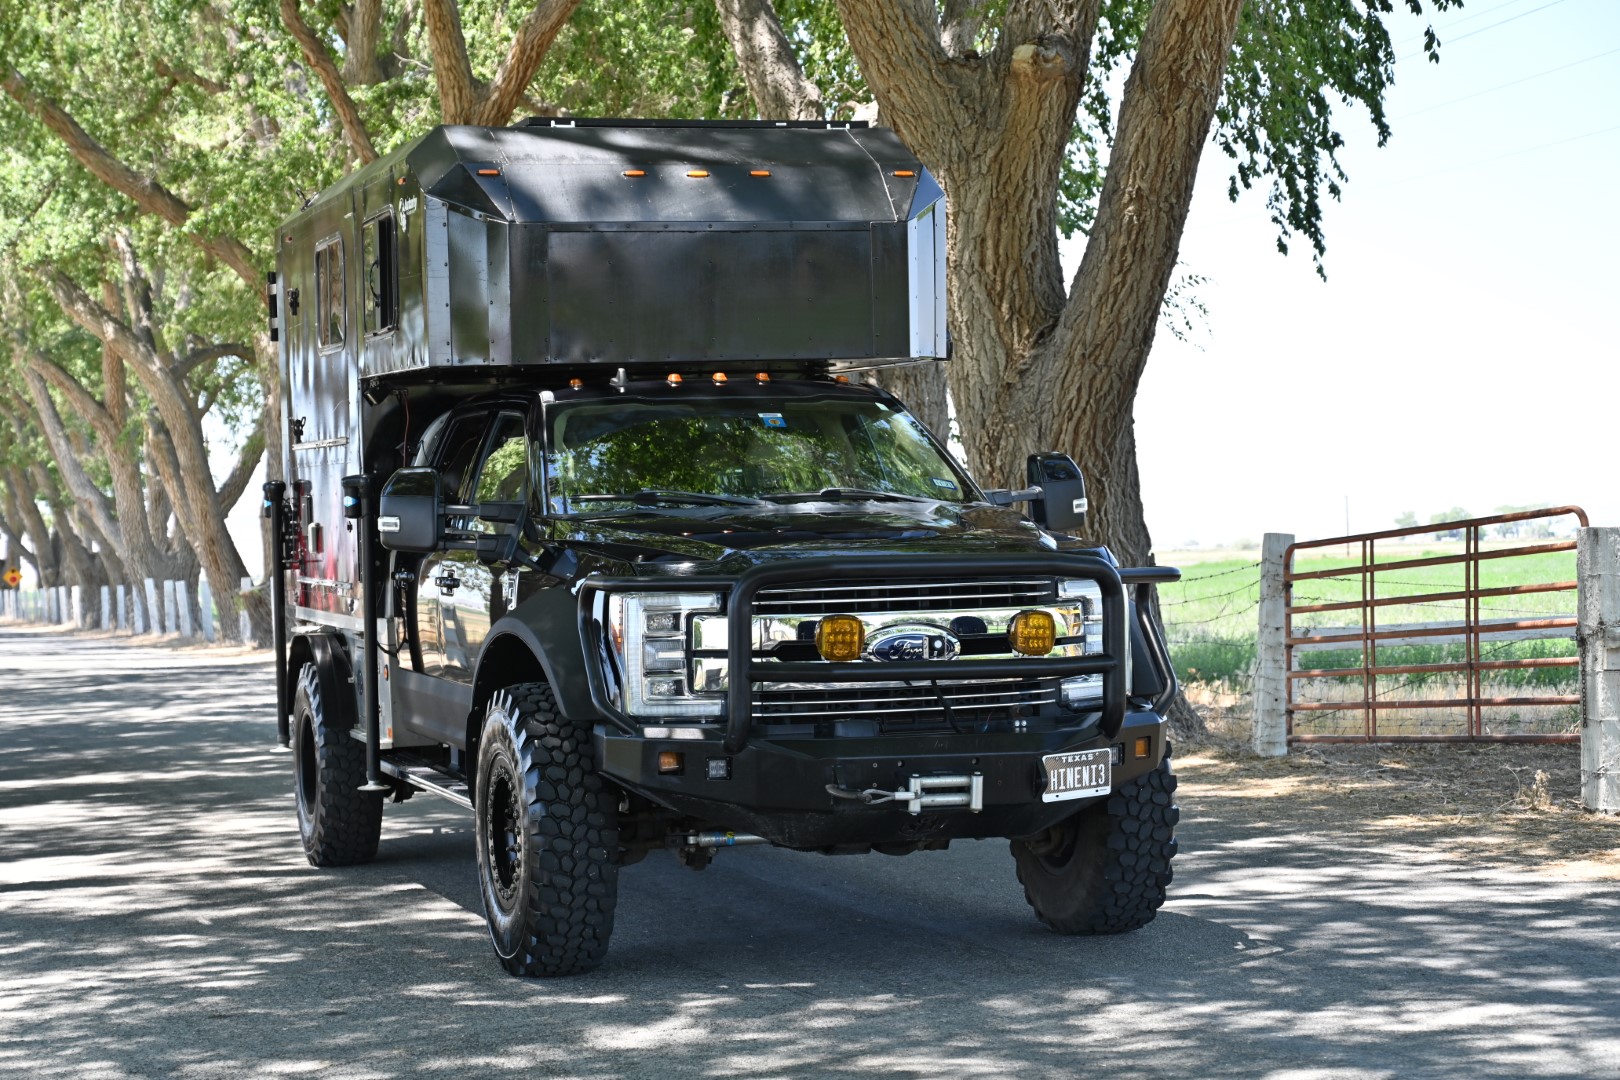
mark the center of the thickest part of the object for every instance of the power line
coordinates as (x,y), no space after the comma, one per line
(1504,86)
(1499,157)
(1481,30)
(1479,14)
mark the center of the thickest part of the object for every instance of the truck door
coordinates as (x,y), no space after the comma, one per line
(456,454)
(469,602)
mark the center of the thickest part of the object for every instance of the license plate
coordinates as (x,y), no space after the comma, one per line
(1077,775)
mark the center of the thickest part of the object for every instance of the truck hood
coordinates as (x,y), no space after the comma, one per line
(731,540)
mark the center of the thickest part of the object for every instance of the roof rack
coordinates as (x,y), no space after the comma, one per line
(602,121)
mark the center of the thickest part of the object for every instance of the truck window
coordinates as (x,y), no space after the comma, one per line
(504,476)
(329,311)
(379,309)
(456,455)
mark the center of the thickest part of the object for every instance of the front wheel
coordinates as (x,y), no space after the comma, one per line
(547,837)
(1104,870)
(339,823)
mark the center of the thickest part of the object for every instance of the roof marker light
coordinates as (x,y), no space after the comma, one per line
(489,172)
(760,376)
(633,173)
(575,384)
(674,379)
(719,376)
(905,172)
(759,172)
(840,378)
(697,174)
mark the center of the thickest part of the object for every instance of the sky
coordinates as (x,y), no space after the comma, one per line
(1462,351)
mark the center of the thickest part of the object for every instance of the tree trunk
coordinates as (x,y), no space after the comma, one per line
(775,80)
(1037,368)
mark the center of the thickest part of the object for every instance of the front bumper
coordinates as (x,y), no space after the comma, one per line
(778,788)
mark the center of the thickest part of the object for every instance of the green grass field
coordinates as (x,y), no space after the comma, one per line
(1211,616)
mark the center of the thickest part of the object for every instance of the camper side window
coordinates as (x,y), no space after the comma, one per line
(377,292)
(329,291)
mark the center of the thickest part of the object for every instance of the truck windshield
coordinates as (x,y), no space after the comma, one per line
(712,450)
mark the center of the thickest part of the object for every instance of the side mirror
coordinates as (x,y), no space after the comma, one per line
(1062,506)
(410,511)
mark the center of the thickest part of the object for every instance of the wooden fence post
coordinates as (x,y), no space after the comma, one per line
(154,614)
(244,623)
(1598,572)
(1270,735)
(205,607)
(182,590)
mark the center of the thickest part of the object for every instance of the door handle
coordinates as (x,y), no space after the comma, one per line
(447,582)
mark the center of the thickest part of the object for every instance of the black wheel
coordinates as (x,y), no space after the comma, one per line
(339,823)
(547,828)
(1104,870)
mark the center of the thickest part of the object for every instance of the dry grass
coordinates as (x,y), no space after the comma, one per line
(1488,804)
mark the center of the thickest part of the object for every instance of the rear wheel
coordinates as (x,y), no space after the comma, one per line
(339,823)
(1104,870)
(547,837)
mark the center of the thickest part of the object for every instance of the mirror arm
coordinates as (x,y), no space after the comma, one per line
(1003,497)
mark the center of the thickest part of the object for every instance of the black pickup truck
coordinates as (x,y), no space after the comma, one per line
(727,596)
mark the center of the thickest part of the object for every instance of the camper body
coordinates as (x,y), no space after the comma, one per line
(588,526)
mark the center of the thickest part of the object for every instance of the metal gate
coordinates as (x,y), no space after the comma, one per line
(1305,717)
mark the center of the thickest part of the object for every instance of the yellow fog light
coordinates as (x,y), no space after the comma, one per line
(1032,633)
(840,637)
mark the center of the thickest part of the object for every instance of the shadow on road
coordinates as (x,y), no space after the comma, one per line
(157,918)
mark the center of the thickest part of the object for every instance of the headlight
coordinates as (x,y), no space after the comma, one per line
(1086,595)
(647,632)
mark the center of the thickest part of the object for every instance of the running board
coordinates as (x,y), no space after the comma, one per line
(430,780)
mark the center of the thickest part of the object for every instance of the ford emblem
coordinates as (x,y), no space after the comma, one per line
(913,642)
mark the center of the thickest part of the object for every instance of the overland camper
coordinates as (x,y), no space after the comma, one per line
(590,526)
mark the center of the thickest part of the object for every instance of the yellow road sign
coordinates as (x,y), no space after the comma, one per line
(13,578)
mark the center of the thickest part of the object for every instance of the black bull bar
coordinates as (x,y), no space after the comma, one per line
(744,670)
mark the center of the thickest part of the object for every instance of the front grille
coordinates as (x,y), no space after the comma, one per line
(904,595)
(909,707)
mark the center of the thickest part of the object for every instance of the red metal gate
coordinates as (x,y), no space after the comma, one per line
(1469,630)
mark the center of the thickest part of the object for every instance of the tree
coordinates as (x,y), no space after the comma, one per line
(1406,520)
(1456,513)
(1006,104)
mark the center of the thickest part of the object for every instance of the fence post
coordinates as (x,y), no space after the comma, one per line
(1597,570)
(244,623)
(1270,736)
(183,608)
(123,612)
(154,614)
(205,607)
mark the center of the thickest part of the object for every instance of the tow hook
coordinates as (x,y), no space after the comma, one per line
(923,793)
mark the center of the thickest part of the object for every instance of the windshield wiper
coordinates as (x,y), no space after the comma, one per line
(653,496)
(834,494)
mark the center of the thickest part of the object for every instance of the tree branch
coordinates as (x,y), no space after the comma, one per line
(522,60)
(232,487)
(915,82)
(149,195)
(769,66)
(458,95)
(320,61)
(198,357)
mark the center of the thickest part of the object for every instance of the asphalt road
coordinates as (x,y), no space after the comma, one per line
(157,918)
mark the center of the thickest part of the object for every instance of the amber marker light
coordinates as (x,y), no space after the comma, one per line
(670,761)
(674,379)
(575,384)
(697,174)
(761,376)
(1032,633)
(840,638)
(759,172)
(719,376)
(905,172)
(1144,747)
(633,173)
(489,172)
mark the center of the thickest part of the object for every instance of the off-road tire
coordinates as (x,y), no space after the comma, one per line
(547,837)
(1104,870)
(339,823)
